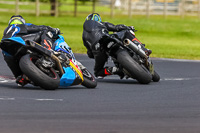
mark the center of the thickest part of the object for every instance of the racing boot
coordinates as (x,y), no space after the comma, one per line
(22,80)
(114,71)
(109,71)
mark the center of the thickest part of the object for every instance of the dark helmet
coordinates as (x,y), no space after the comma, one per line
(94,16)
(16,19)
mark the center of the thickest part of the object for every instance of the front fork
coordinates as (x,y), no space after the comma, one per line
(149,65)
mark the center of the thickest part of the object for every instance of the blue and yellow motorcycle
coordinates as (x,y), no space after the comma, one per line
(48,69)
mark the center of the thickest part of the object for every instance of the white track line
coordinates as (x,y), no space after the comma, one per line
(176,79)
(176,60)
(22,98)
(4,79)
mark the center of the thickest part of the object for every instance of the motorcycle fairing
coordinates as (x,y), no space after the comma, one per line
(16,39)
(61,45)
(68,77)
(11,45)
(72,76)
(76,69)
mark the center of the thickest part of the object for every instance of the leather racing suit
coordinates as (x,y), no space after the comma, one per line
(39,33)
(93,31)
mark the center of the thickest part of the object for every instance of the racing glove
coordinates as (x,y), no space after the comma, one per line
(132,28)
(121,27)
(55,31)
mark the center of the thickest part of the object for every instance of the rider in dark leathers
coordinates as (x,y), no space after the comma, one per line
(17,27)
(93,31)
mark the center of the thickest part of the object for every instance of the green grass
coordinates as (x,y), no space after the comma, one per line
(167,38)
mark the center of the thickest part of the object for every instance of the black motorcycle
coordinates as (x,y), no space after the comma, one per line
(128,54)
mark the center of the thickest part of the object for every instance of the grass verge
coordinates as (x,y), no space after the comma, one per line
(172,37)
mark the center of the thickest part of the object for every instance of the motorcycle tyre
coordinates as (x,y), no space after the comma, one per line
(138,72)
(155,77)
(89,82)
(37,76)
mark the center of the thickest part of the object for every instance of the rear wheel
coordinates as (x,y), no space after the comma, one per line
(48,80)
(137,71)
(89,80)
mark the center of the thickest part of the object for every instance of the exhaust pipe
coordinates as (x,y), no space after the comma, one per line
(135,48)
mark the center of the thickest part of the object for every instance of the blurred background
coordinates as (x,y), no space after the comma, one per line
(111,7)
(171,28)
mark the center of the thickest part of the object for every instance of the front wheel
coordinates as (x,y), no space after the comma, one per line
(137,71)
(155,77)
(89,80)
(48,81)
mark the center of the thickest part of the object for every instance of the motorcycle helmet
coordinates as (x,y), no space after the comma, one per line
(94,16)
(16,19)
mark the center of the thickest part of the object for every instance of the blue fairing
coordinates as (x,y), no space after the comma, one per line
(17,39)
(68,77)
(61,45)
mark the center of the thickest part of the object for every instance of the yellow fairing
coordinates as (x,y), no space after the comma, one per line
(77,70)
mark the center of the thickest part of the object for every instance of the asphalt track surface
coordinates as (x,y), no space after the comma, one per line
(115,106)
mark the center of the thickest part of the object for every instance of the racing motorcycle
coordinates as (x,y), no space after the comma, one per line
(128,54)
(48,69)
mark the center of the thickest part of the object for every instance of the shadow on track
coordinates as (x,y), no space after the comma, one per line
(118,81)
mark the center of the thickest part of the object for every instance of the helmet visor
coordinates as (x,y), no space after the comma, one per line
(96,18)
(16,21)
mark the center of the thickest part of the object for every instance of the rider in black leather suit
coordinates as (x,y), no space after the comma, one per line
(93,31)
(17,27)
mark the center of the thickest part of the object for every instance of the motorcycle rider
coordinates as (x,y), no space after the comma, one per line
(93,31)
(17,27)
